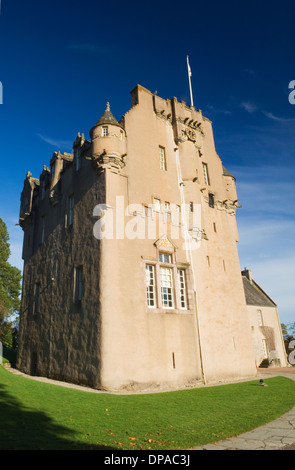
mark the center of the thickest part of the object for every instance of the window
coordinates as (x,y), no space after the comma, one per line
(37,299)
(121,135)
(167,206)
(182,288)
(205,172)
(164,258)
(78,158)
(166,287)
(167,213)
(150,285)
(105,131)
(214,227)
(264,348)
(42,183)
(78,283)
(162,158)
(211,200)
(52,171)
(191,206)
(71,203)
(157,204)
(259,317)
(170,281)
(42,229)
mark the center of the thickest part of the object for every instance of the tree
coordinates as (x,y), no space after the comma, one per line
(10,286)
(286,330)
(291,327)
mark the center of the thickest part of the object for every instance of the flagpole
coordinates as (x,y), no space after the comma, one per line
(189,80)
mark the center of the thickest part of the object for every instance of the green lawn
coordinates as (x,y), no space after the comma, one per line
(37,415)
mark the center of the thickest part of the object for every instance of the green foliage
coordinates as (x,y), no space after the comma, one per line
(10,285)
(36,415)
(6,334)
(9,355)
(288,332)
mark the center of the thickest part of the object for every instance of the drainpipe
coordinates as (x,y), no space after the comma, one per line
(189,253)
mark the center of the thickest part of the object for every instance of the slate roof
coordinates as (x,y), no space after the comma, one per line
(255,295)
(107,118)
(226,172)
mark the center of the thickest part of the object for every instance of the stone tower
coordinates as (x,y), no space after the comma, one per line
(131,270)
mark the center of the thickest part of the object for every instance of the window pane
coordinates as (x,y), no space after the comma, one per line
(150,285)
(162,158)
(182,288)
(205,172)
(164,258)
(157,204)
(166,287)
(211,200)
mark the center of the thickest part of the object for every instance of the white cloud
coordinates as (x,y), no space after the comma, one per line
(249,107)
(276,118)
(56,142)
(213,109)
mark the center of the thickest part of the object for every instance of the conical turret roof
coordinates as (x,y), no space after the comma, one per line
(107,118)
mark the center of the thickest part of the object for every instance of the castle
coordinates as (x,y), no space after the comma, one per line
(131,276)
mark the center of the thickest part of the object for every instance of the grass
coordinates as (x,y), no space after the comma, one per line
(37,415)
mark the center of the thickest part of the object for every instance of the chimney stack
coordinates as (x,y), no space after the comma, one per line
(248,274)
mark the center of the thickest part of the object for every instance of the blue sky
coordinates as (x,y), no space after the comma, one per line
(60,61)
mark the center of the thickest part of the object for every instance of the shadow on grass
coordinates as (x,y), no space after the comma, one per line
(24,429)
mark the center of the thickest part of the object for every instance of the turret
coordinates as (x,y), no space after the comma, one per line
(108,140)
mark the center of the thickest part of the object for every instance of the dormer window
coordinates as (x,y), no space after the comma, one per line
(105,131)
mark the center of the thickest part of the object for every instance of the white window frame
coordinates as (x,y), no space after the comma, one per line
(156,204)
(206,173)
(166,283)
(182,288)
(162,156)
(151,285)
(105,131)
(165,257)
(167,286)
